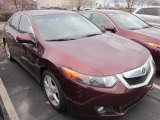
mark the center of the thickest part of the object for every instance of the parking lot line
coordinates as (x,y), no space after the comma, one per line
(7,102)
(156,86)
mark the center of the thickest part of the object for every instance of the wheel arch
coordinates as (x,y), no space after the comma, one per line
(49,66)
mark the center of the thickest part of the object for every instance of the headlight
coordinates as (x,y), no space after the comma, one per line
(94,81)
(153,45)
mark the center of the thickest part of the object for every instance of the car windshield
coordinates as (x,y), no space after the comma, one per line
(60,27)
(129,21)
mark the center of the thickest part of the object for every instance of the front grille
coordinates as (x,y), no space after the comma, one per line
(138,80)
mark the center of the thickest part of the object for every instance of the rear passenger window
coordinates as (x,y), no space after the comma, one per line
(149,11)
(141,11)
(158,10)
(14,23)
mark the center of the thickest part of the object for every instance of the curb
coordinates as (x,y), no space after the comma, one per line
(3,111)
(6,105)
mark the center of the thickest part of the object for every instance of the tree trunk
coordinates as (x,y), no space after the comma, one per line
(79,5)
(16,5)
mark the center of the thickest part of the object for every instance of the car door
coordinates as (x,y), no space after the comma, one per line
(30,58)
(11,32)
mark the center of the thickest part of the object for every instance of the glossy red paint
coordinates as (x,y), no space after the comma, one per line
(142,36)
(120,98)
(100,55)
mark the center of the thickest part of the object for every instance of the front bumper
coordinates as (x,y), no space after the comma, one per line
(117,100)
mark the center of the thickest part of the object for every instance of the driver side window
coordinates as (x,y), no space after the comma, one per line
(25,26)
(101,20)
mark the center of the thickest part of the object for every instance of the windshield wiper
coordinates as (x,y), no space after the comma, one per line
(67,39)
(146,27)
(91,35)
(133,29)
(63,39)
(139,28)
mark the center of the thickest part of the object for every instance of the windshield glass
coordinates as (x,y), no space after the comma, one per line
(129,21)
(65,27)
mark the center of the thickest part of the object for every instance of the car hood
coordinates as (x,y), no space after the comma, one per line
(100,55)
(150,32)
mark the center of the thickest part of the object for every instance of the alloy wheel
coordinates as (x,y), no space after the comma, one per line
(51,90)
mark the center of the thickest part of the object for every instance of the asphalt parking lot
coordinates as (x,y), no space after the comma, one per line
(30,102)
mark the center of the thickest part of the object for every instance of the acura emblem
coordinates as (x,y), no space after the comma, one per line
(143,71)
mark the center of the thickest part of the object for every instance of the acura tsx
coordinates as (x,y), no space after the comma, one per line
(82,70)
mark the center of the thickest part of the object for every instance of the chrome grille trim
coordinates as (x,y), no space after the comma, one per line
(138,73)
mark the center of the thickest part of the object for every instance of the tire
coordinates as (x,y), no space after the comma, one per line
(54,91)
(9,56)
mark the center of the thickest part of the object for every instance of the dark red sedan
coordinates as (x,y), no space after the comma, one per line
(128,26)
(82,70)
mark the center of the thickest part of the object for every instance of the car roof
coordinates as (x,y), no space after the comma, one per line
(44,12)
(104,11)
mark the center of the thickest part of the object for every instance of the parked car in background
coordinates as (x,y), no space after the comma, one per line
(91,74)
(128,26)
(150,14)
(53,8)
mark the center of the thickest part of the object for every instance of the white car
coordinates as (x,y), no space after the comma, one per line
(150,14)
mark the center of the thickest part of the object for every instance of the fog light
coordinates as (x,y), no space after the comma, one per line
(100,110)
(103,110)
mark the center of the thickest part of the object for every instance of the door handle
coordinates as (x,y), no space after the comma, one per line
(7,31)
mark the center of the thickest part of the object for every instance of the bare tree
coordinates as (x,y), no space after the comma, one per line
(76,3)
(104,2)
(130,4)
(79,3)
(16,2)
(19,5)
(15,5)
(116,3)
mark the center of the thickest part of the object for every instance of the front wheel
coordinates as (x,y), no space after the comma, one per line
(54,91)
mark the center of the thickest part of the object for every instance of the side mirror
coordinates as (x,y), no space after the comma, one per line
(109,28)
(24,38)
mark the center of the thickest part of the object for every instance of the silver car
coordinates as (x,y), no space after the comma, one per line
(150,14)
